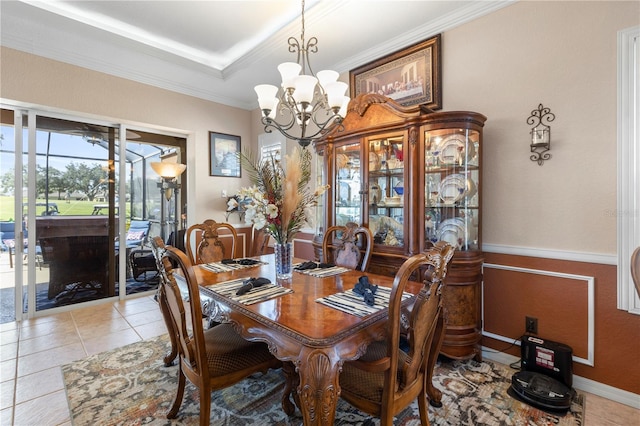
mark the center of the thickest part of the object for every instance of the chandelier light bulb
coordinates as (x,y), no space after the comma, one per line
(305,86)
(345,105)
(327,76)
(335,93)
(267,97)
(289,71)
(274,111)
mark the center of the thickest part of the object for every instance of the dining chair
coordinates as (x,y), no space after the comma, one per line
(259,242)
(203,242)
(635,269)
(349,246)
(210,359)
(387,378)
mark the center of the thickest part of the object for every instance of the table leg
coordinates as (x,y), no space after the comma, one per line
(319,385)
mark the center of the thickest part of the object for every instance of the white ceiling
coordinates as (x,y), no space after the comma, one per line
(219,50)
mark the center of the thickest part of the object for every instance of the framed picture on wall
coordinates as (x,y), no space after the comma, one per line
(223,155)
(410,76)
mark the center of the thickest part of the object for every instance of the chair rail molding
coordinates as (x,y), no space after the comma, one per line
(574,256)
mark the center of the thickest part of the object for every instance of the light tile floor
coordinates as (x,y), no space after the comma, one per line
(31,387)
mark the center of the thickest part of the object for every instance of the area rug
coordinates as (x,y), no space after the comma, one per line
(131,386)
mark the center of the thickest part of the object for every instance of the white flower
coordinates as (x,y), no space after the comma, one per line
(259,221)
(232,204)
(272,211)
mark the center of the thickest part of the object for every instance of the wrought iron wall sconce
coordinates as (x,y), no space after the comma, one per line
(540,133)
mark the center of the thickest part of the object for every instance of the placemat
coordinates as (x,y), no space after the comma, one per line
(255,295)
(222,267)
(352,303)
(323,272)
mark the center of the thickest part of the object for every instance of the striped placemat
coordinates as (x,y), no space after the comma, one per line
(323,272)
(352,303)
(255,295)
(224,267)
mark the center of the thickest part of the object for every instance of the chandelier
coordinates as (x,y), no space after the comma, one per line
(303,99)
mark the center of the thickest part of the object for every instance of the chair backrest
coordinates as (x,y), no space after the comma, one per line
(138,232)
(188,327)
(404,373)
(635,269)
(259,242)
(349,246)
(204,245)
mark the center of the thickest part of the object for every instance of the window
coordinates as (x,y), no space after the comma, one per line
(628,211)
(271,144)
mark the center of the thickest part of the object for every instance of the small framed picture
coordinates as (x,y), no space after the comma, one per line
(223,155)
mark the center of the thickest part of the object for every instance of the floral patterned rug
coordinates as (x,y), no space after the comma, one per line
(131,386)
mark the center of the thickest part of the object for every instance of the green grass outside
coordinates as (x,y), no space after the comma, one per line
(72,208)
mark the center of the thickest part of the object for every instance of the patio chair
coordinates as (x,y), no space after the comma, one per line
(137,236)
(8,243)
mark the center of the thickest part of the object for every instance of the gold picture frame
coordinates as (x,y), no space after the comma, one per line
(411,76)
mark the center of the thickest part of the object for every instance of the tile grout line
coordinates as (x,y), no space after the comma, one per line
(15,378)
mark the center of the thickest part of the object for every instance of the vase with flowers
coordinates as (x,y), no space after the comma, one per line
(279,200)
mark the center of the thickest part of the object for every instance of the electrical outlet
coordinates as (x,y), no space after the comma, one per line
(223,193)
(531,325)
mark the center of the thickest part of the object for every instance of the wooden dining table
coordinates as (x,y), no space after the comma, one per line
(315,338)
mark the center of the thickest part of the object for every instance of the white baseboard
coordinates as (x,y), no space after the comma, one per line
(618,395)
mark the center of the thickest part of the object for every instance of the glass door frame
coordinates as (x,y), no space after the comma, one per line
(120,191)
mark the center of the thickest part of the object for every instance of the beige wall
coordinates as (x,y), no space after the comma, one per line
(31,79)
(563,55)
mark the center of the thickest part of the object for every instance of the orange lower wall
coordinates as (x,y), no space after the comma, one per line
(561,306)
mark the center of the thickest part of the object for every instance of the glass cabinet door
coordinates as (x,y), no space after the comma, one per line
(348,190)
(386,195)
(452,200)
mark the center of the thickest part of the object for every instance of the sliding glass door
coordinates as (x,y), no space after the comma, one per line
(69,226)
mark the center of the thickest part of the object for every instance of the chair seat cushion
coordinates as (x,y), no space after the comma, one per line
(228,352)
(365,384)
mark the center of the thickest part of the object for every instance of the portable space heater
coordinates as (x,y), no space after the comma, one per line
(546,374)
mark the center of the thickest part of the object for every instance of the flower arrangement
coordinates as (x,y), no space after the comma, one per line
(280,198)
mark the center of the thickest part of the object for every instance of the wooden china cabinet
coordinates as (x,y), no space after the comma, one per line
(413,176)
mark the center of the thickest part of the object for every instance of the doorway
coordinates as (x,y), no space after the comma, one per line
(68,220)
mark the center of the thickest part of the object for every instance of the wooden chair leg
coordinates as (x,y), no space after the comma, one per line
(435,395)
(166,315)
(205,406)
(173,412)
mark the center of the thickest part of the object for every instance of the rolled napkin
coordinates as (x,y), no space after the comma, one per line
(366,290)
(252,283)
(306,265)
(245,262)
